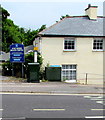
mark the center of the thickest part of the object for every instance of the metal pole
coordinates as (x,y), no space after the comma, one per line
(86,79)
(22,70)
(35,56)
(12,70)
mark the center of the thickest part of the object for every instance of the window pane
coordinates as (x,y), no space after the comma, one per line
(101,47)
(65,47)
(69,72)
(98,44)
(67,66)
(74,66)
(72,47)
(69,44)
(63,66)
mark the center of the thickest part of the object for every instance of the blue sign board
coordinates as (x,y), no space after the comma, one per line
(17,53)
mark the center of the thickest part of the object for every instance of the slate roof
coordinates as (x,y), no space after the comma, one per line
(76,26)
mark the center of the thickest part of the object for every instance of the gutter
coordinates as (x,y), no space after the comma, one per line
(50,35)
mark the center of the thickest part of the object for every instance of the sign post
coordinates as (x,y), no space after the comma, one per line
(35,54)
(17,54)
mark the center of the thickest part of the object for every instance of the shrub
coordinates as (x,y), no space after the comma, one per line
(17,67)
(7,68)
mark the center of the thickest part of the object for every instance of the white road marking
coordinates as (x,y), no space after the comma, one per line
(48,109)
(87,96)
(1,109)
(94,116)
(19,118)
(96,99)
(98,109)
(101,102)
(93,97)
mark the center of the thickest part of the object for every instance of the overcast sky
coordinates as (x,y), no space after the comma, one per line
(34,14)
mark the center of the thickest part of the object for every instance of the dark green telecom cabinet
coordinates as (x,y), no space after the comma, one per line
(33,72)
(53,73)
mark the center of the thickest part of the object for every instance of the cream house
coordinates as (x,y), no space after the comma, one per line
(76,43)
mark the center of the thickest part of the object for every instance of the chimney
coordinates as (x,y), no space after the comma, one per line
(91,11)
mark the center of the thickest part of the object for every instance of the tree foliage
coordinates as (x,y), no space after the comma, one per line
(12,33)
(29,58)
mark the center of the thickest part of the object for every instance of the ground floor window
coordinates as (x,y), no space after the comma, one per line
(69,72)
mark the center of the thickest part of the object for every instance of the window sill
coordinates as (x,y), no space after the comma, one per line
(98,50)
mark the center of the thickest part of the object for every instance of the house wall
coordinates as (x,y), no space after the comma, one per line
(87,61)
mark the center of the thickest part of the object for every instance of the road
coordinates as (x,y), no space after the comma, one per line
(51,106)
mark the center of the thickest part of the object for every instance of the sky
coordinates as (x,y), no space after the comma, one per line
(34,14)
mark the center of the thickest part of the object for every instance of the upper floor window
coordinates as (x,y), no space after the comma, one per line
(69,44)
(98,44)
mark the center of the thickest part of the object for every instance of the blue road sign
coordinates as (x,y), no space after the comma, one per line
(17,53)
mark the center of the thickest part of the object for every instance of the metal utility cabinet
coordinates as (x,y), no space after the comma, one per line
(53,73)
(33,72)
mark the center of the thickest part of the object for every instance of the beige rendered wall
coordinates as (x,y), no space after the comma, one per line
(87,61)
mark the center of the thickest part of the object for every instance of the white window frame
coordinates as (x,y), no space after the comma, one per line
(93,44)
(69,38)
(70,69)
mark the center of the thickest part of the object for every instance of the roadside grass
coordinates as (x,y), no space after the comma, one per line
(44,80)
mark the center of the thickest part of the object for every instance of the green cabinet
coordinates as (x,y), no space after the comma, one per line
(53,73)
(33,72)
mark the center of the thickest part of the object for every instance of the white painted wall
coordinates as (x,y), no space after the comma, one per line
(87,61)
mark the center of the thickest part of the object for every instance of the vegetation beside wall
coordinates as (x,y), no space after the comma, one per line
(12,33)
(15,69)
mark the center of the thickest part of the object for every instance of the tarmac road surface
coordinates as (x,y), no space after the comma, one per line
(51,106)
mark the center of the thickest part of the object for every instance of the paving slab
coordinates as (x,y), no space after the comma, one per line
(51,87)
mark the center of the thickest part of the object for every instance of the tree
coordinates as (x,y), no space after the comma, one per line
(5,14)
(12,33)
(42,28)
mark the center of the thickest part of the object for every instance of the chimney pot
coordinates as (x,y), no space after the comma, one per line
(89,5)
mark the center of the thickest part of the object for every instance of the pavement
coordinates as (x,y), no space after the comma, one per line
(48,87)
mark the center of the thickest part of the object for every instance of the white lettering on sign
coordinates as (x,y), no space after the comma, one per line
(16,49)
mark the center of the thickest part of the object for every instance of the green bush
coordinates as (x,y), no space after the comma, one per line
(17,67)
(29,58)
(7,68)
